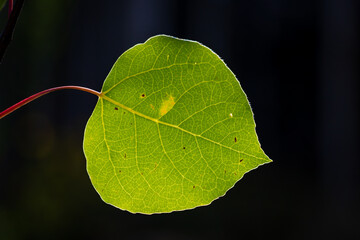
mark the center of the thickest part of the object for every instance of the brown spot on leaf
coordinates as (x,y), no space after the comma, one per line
(116,108)
(119,171)
(194,186)
(183,147)
(152,107)
(143,95)
(241,160)
(125,155)
(235,139)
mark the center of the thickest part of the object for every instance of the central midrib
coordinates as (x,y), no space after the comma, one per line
(102,95)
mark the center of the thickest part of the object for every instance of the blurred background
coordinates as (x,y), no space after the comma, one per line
(298,62)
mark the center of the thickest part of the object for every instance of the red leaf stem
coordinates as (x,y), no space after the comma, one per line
(37,95)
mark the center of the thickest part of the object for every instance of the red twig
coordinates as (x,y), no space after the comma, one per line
(11,4)
(7,34)
(37,95)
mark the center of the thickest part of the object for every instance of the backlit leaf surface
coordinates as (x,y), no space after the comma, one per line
(172,129)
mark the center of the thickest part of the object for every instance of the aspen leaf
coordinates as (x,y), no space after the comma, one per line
(172,129)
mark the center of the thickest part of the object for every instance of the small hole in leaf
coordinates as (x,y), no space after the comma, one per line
(235,139)
(116,108)
(183,147)
(231,115)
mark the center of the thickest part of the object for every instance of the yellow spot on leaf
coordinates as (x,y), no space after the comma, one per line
(152,107)
(167,105)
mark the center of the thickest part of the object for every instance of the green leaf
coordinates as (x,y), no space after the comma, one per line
(2,4)
(172,129)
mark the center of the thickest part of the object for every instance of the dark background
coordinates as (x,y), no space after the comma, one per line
(298,62)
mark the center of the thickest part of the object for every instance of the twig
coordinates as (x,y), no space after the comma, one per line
(7,34)
(11,5)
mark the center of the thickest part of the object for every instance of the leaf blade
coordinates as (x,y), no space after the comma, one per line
(178,111)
